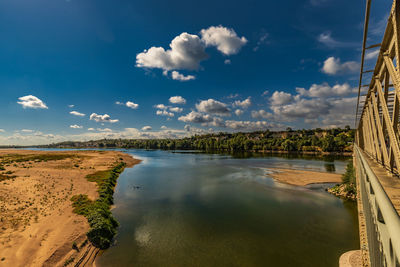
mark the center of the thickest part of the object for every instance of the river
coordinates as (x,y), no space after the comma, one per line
(196,209)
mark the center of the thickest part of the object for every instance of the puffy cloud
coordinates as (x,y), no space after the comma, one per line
(196,117)
(90,129)
(261,114)
(250,125)
(186,52)
(238,112)
(333,66)
(303,108)
(132,105)
(176,109)
(129,104)
(104,130)
(76,126)
(213,107)
(226,40)
(164,113)
(180,77)
(177,100)
(280,98)
(31,101)
(146,128)
(325,90)
(243,104)
(163,127)
(227,61)
(76,113)
(2,130)
(161,106)
(71,106)
(102,118)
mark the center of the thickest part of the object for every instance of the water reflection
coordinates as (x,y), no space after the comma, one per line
(195,209)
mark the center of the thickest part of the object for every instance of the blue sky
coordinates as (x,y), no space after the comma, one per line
(236,65)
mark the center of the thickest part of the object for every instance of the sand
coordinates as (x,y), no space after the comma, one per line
(304,177)
(37,225)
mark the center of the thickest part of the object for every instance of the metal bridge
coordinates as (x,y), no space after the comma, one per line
(376,148)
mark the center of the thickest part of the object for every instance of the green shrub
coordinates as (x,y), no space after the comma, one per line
(102,224)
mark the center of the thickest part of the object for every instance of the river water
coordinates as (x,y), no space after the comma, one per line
(195,209)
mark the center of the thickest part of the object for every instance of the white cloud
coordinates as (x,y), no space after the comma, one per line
(250,125)
(131,105)
(263,40)
(227,61)
(186,52)
(2,130)
(280,98)
(177,100)
(71,106)
(333,66)
(226,40)
(372,54)
(213,107)
(27,131)
(104,130)
(102,118)
(161,106)
(325,90)
(261,114)
(238,112)
(176,109)
(31,101)
(163,127)
(76,126)
(164,113)
(196,117)
(76,113)
(180,77)
(90,129)
(243,104)
(146,128)
(327,39)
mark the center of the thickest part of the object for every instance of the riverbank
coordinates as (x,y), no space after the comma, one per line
(303,177)
(37,223)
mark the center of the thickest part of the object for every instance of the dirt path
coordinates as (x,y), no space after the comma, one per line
(37,225)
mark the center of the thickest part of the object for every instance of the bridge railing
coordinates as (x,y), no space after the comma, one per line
(382,220)
(378,125)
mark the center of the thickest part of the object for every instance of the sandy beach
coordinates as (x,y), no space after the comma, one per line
(304,177)
(37,223)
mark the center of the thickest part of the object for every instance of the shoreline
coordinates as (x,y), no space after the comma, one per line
(37,223)
(303,177)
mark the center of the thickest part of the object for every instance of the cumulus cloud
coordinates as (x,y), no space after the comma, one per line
(90,129)
(31,101)
(177,100)
(213,106)
(102,118)
(196,117)
(129,104)
(224,39)
(333,66)
(76,113)
(164,113)
(243,104)
(146,128)
(180,77)
(161,106)
(104,130)
(176,109)
(258,114)
(76,126)
(250,125)
(163,127)
(186,52)
(238,112)
(325,90)
(280,98)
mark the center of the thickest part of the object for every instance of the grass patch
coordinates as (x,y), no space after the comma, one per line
(12,158)
(102,224)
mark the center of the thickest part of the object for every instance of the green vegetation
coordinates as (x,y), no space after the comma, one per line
(347,188)
(317,141)
(102,224)
(12,158)
(69,261)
